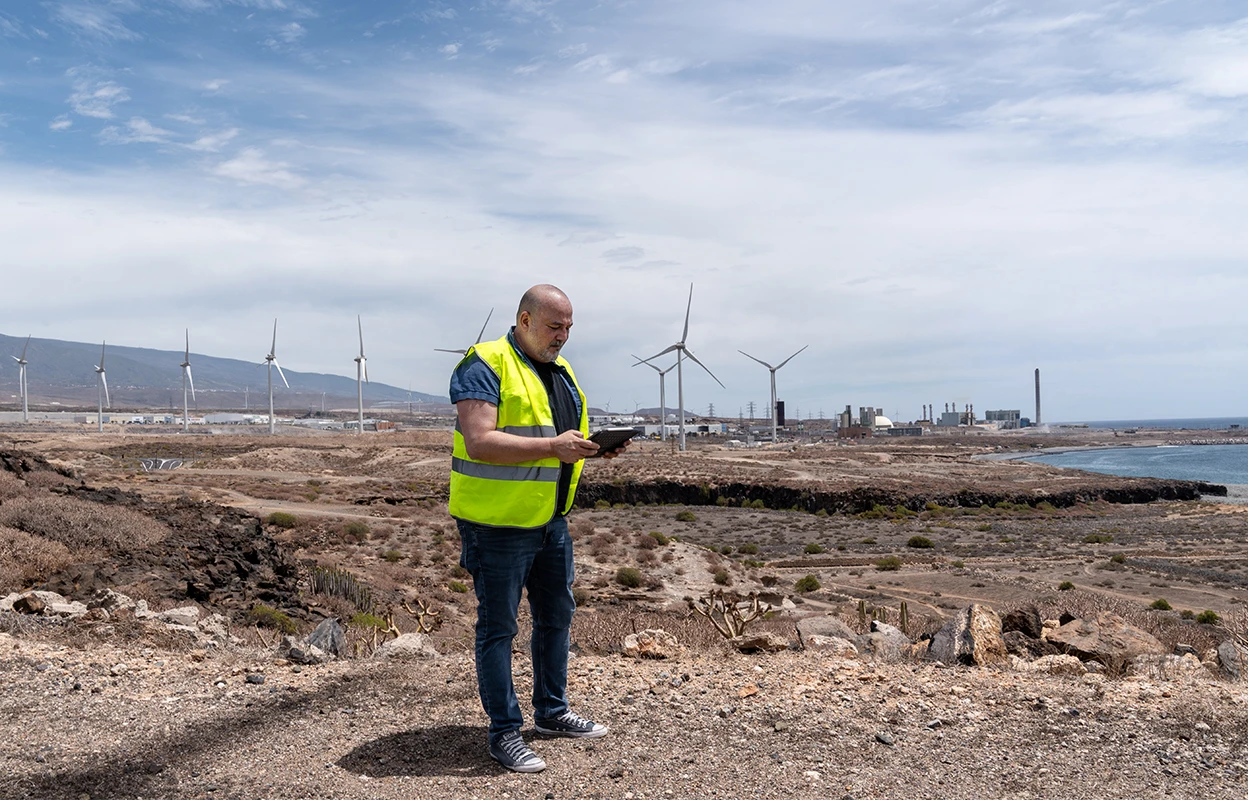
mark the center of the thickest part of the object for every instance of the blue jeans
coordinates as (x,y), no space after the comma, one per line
(502,561)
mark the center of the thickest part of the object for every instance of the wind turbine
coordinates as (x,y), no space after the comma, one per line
(101,390)
(361,374)
(271,361)
(21,380)
(681,352)
(478,341)
(662,395)
(773,383)
(187,379)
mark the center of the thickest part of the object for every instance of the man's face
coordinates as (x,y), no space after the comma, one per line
(543,333)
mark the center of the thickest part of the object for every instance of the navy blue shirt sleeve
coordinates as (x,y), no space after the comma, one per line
(474,380)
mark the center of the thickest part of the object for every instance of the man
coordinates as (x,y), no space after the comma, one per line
(520,438)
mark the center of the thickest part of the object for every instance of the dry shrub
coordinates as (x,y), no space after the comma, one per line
(581,527)
(27,559)
(80,524)
(45,479)
(646,542)
(11,486)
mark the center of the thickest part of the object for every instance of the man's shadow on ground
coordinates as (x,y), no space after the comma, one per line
(454,750)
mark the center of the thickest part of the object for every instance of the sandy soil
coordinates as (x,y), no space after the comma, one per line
(108,716)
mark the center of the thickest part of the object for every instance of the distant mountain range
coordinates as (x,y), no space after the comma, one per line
(64,373)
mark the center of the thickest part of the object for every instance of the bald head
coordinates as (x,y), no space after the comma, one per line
(540,297)
(543,321)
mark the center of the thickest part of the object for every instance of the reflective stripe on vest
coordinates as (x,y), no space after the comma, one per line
(514,495)
(503,472)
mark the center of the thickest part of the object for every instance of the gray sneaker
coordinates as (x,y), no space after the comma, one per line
(571,725)
(511,751)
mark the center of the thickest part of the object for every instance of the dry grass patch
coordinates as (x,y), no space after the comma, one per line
(79,524)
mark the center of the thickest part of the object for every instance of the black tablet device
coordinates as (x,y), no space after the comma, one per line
(609,439)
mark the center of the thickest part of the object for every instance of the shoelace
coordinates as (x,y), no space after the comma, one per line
(575,720)
(515,748)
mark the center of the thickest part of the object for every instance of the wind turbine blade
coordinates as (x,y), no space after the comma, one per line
(752,358)
(188,344)
(273,349)
(641,360)
(24,347)
(487,322)
(104,380)
(102,346)
(444,350)
(695,360)
(190,380)
(361,326)
(684,336)
(364,364)
(790,358)
(661,352)
(279,372)
(18,360)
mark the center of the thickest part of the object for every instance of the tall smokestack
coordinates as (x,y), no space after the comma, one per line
(1037,395)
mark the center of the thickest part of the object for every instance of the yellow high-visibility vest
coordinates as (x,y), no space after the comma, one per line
(514,495)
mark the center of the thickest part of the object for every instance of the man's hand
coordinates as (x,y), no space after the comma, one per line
(618,450)
(570,447)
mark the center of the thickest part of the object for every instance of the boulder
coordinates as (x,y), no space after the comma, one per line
(1020,644)
(972,637)
(1052,665)
(297,651)
(651,643)
(6,602)
(29,604)
(1108,639)
(185,616)
(1233,659)
(1025,620)
(329,636)
(48,604)
(408,647)
(884,643)
(111,601)
(824,626)
(1165,666)
(764,641)
(842,648)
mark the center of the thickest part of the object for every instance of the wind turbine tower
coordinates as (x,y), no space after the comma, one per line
(271,361)
(187,379)
(101,390)
(361,376)
(773,383)
(662,395)
(683,352)
(21,381)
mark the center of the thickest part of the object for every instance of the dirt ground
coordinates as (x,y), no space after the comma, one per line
(374,505)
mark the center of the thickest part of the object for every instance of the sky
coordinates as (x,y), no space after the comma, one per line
(937,198)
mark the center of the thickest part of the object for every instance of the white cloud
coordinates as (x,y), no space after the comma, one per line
(61,123)
(212,142)
(187,118)
(449,50)
(94,96)
(92,20)
(215,85)
(292,32)
(251,166)
(1107,117)
(136,130)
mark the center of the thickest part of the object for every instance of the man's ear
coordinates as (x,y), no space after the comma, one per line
(523,320)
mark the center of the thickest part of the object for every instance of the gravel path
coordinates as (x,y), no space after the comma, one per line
(107,722)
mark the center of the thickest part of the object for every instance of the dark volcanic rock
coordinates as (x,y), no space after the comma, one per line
(1020,644)
(1024,620)
(213,554)
(864,498)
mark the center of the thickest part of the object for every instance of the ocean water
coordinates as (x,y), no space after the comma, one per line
(1225,464)
(1198,424)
